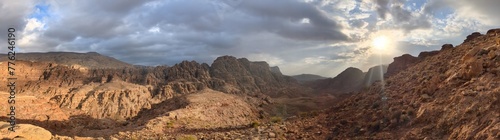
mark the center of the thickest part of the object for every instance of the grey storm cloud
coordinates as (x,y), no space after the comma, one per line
(156,32)
(281,17)
(403,17)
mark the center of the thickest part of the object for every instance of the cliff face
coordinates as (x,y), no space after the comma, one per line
(120,93)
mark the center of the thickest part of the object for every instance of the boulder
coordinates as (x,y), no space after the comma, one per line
(446,47)
(26,131)
(472,36)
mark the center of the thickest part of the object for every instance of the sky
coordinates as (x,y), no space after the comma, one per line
(321,37)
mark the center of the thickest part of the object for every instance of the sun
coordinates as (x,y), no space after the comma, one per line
(380,43)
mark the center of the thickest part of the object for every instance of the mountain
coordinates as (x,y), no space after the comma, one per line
(347,81)
(307,77)
(99,92)
(453,94)
(350,80)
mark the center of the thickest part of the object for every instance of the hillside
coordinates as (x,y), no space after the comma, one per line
(431,99)
(301,78)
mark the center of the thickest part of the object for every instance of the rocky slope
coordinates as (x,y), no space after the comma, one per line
(402,62)
(432,99)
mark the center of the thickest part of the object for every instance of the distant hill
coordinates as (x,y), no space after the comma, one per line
(348,80)
(374,74)
(307,77)
(91,60)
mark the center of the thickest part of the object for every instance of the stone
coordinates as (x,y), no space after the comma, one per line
(24,131)
(271,135)
(401,63)
(472,36)
(446,47)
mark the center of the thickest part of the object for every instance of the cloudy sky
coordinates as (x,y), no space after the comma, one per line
(300,36)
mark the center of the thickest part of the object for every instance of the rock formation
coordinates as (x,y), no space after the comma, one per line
(401,63)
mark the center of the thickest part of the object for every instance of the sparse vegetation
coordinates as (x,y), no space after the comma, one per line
(186,137)
(255,124)
(276,119)
(170,124)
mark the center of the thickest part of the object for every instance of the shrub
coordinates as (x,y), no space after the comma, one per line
(255,124)
(170,124)
(276,119)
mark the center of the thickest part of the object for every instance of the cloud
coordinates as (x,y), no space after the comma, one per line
(485,11)
(301,36)
(400,17)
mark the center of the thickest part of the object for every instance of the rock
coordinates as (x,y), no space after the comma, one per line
(493,32)
(446,47)
(271,135)
(275,69)
(401,63)
(472,36)
(57,137)
(473,68)
(26,131)
(423,55)
(492,55)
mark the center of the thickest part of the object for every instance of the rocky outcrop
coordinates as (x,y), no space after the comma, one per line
(446,47)
(276,70)
(401,63)
(493,32)
(472,36)
(423,55)
(243,76)
(24,131)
